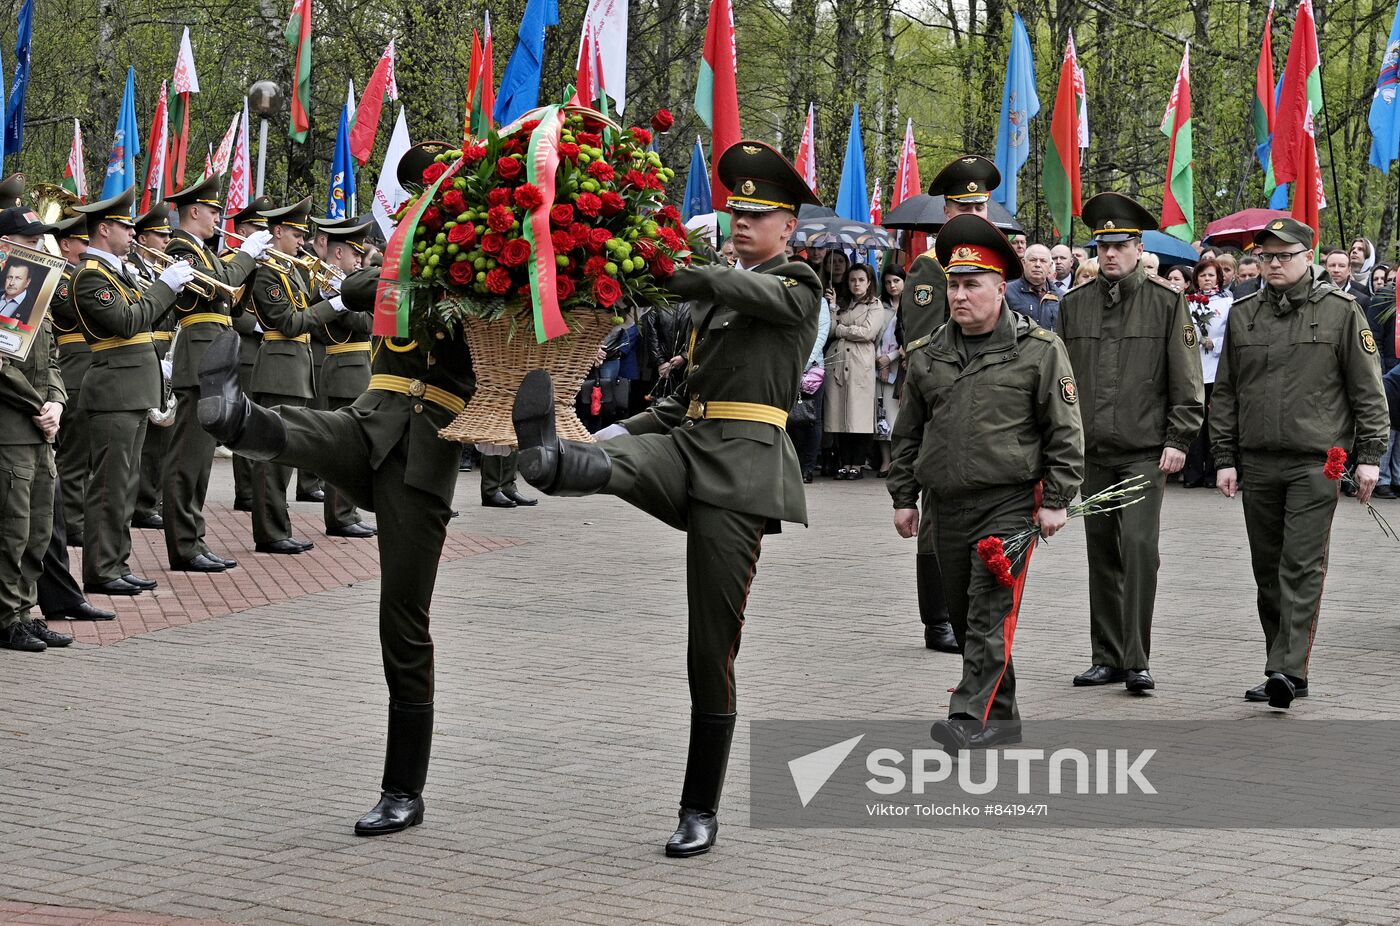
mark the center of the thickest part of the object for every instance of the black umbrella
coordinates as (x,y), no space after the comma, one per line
(809,211)
(924,213)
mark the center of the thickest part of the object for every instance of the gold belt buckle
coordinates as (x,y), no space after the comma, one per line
(696,409)
(417,388)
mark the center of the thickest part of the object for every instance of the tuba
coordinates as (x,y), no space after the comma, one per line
(52,202)
(163,416)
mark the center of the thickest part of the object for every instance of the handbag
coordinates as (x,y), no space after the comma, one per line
(804,410)
(882,422)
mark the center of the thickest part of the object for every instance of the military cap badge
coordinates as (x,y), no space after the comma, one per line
(1276,226)
(747,188)
(752,149)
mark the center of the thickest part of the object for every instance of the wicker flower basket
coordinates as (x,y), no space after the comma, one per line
(501,358)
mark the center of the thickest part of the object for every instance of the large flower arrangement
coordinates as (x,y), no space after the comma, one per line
(561,211)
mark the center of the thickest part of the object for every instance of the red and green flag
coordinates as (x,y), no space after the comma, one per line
(298,35)
(717,93)
(1061,171)
(1179,195)
(185,82)
(481,97)
(74,174)
(1299,104)
(1262,112)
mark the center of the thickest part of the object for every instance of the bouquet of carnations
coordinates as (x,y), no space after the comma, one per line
(1201,312)
(1336,469)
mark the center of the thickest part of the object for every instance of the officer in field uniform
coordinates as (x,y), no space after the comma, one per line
(1136,358)
(989,435)
(714,459)
(202,318)
(966,184)
(122,384)
(1298,376)
(153,231)
(73,360)
(246,222)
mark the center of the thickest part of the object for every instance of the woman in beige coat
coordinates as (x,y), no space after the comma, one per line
(850,372)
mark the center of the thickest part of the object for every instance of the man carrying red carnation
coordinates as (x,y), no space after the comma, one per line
(989,433)
(1298,376)
(713,460)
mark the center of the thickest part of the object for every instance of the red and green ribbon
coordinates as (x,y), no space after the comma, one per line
(542,164)
(393,298)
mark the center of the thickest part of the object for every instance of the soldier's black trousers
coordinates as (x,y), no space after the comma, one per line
(498,474)
(1123,563)
(111,493)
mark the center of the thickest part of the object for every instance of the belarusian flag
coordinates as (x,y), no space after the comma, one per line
(717,93)
(877,212)
(185,82)
(74,174)
(907,184)
(1179,195)
(1061,170)
(481,77)
(1300,102)
(366,122)
(806,160)
(155,152)
(1262,112)
(225,149)
(240,176)
(298,35)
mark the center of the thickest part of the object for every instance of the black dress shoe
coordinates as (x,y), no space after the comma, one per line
(1257,693)
(150,522)
(142,583)
(359,530)
(315,495)
(227,561)
(1384,492)
(197,563)
(496,500)
(111,587)
(521,500)
(1139,680)
(243,506)
(18,636)
(695,834)
(82,612)
(954,733)
(1100,675)
(286,546)
(996,733)
(807,478)
(395,811)
(1280,690)
(406,756)
(940,637)
(46,636)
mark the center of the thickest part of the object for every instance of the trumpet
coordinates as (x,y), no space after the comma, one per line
(203,285)
(275,259)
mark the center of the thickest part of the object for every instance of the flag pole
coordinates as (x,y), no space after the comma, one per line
(1331,160)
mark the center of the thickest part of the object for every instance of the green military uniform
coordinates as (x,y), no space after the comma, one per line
(1298,375)
(988,431)
(713,460)
(498,474)
(122,384)
(74,357)
(190,453)
(250,341)
(157,440)
(1134,350)
(287,310)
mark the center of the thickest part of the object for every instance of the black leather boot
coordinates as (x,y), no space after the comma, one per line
(553,466)
(710,737)
(405,771)
(225,412)
(933,607)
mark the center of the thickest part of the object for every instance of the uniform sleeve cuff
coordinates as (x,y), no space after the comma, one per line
(1183,446)
(1370,453)
(1224,459)
(1055,501)
(906,502)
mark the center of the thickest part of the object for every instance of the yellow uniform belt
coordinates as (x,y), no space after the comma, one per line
(279,336)
(213,318)
(738,411)
(162,335)
(109,343)
(402,385)
(74,338)
(347,348)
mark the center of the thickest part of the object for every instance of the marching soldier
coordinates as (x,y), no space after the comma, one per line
(246,223)
(1134,350)
(989,434)
(284,307)
(122,384)
(74,357)
(966,184)
(346,373)
(153,232)
(1298,376)
(201,317)
(714,459)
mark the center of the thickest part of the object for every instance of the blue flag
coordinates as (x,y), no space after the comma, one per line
(853,197)
(1384,118)
(342,191)
(14,110)
(126,143)
(697,185)
(2,133)
(1019,104)
(520,84)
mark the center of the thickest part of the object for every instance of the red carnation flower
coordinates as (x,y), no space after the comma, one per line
(432,219)
(562,215)
(500,218)
(606,290)
(644,248)
(589,204)
(563,286)
(471,154)
(498,281)
(500,196)
(612,203)
(642,136)
(662,120)
(461,273)
(580,231)
(670,212)
(601,170)
(455,202)
(563,241)
(528,196)
(594,266)
(432,172)
(661,267)
(568,150)
(464,233)
(671,238)
(597,239)
(1336,466)
(592,139)
(513,145)
(491,243)
(515,252)
(509,168)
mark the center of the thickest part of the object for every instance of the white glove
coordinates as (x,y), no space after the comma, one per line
(177,275)
(256,244)
(337,303)
(611,431)
(167,368)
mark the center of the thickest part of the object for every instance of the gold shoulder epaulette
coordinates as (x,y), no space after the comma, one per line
(1042,334)
(1076,288)
(918,343)
(1162,283)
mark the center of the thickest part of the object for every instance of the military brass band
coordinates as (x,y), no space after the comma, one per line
(267,350)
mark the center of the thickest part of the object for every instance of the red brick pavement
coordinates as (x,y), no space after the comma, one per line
(23,914)
(259,579)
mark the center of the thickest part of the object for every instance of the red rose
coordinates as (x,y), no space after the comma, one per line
(515,252)
(500,218)
(563,286)
(492,243)
(513,145)
(471,154)
(600,236)
(592,139)
(662,120)
(568,150)
(464,233)
(498,281)
(612,203)
(509,168)
(563,241)
(661,267)
(561,215)
(594,266)
(462,273)
(645,248)
(642,136)
(500,196)
(432,172)
(589,204)
(601,170)
(455,202)
(432,219)
(528,196)
(607,291)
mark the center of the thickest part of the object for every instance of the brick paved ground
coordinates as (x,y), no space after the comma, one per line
(209,773)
